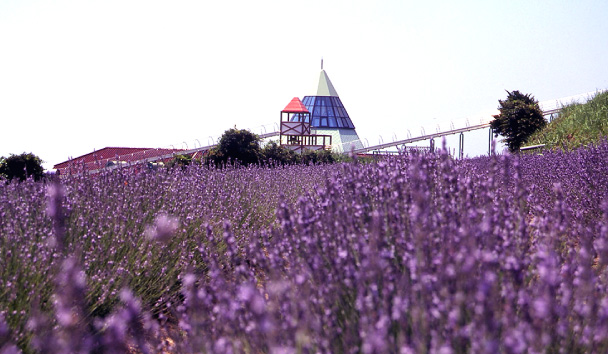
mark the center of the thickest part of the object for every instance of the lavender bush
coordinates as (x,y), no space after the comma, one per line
(411,254)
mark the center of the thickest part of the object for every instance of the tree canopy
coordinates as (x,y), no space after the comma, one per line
(21,166)
(180,161)
(275,153)
(520,116)
(237,145)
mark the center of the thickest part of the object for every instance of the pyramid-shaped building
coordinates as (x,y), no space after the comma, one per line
(329,117)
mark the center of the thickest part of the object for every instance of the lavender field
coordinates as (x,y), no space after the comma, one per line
(410,254)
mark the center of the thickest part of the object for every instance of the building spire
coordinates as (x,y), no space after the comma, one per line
(325,87)
(321,63)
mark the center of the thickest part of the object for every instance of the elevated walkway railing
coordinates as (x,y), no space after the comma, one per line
(420,138)
(549,107)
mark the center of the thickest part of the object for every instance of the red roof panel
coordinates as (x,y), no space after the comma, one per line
(100,157)
(295,106)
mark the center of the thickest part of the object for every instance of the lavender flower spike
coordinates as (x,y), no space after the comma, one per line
(163,229)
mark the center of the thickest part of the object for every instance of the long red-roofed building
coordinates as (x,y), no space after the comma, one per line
(110,157)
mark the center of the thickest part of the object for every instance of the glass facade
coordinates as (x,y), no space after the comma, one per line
(327,112)
(299,117)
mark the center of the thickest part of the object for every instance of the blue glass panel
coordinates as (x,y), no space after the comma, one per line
(309,101)
(323,107)
(299,117)
(336,112)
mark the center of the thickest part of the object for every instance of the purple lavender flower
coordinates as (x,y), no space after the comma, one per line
(163,229)
(413,253)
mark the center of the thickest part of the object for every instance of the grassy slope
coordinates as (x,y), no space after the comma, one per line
(576,125)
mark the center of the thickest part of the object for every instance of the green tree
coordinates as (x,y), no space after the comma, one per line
(520,116)
(275,153)
(237,145)
(180,161)
(21,166)
(318,156)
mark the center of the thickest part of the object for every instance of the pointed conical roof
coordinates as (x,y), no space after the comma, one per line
(325,86)
(295,106)
(326,107)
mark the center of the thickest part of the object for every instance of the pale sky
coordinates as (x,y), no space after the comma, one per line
(82,75)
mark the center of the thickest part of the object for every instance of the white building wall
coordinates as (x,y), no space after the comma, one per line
(341,139)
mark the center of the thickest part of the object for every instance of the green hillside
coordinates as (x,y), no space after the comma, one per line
(577,124)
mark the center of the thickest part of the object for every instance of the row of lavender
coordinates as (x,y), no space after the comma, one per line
(410,254)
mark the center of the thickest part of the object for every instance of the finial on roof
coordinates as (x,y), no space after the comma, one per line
(321,63)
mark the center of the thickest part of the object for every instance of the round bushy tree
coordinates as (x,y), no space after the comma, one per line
(238,145)
(21,166)
(520,116)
